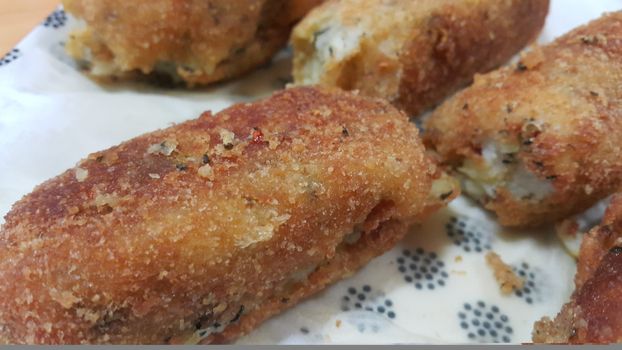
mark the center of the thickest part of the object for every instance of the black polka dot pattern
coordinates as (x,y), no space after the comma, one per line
(485,323)
(467,234)
(57,19)
(366,299)
(531,291)
(423,269)
(10,57)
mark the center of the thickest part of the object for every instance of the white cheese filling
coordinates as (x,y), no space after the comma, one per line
(498,168)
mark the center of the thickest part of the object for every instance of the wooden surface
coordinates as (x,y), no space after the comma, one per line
(19,17)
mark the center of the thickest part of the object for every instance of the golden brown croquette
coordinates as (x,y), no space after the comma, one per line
(195,42)
(540,140)
(199,232)
(411,52)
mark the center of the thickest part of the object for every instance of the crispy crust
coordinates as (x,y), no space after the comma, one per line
(225,219)
(415,53)
(193,41)
(594,314)
(560,108)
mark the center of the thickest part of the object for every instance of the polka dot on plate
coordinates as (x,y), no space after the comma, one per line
(532,289)
(485,323)
(10,57)
(423,269)
(57,19)
(466,233)
(367,299)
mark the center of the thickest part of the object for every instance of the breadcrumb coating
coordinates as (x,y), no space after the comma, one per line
(594,314)
(195,42)
(414,53)
(199,232)
(540,140)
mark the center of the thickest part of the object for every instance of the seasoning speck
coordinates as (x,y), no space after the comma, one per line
(257,135)
(238,314)
(345,131)
(521,67)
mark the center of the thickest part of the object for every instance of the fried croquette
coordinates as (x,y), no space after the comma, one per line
(188,41)
(199,232)
(412,52)
(594,314)
(540,140)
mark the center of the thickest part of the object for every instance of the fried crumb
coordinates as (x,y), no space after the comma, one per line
(227,138)
(47,327)
(273,142)
(166,147)
(507,279)
(81,174)
(73,210)
(206,171)
(533,58)
(220,308)
(458,258)
(555,331)
(338,323)
(65,298)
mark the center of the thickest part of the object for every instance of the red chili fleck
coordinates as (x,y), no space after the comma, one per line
(257,135)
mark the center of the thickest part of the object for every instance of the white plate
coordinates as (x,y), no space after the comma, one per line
(51,116)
